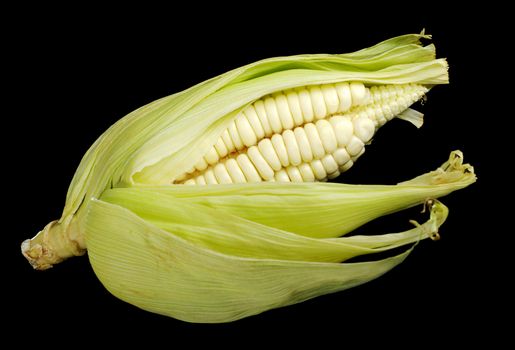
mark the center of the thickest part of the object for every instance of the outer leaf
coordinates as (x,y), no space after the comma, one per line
(160,272)
(322,210)
(230,234)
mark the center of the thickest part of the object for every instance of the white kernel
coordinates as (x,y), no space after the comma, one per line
(248,168)
(220,147)
(314,140)
(280,149)
(291,147)
(226,138)
(381,120)
(368,96)
(343,91)
(306,105)
(346,166)
(385,93)
(282,176)
(200,180)
(221,174)
(398,90)
(252,117)
(358,93)
(318,169)
(234,171)
(317,100)
(403,103)
(341,156)
(259,107)
(268,152)
(247,134)
(355,146)
(343,129)
(361,114)
(333,175)
(201,164)
(303,143)
(273,115)
(330,97)
(358,155)
(284,112)
(374,94)
(372,112)
(294,104)
(190,182)
(306,172)
(180,178)
(396,107)
(364,128)
(294,174)
(212,156)
(210,177)
(415,96)
(329,164)
(235,136)
(387,112)
(327,136)
(260,163)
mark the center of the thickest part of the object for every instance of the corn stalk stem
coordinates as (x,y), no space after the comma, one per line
(55,243)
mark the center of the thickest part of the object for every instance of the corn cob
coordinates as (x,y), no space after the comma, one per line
(307,134)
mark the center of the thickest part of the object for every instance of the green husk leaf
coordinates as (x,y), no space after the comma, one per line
(159,271)
(230,234)
(322,210)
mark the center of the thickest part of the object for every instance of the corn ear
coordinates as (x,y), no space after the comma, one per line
(220,253)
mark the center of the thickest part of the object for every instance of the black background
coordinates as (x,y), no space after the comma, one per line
(71,76)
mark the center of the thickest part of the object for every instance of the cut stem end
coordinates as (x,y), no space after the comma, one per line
(50,246)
